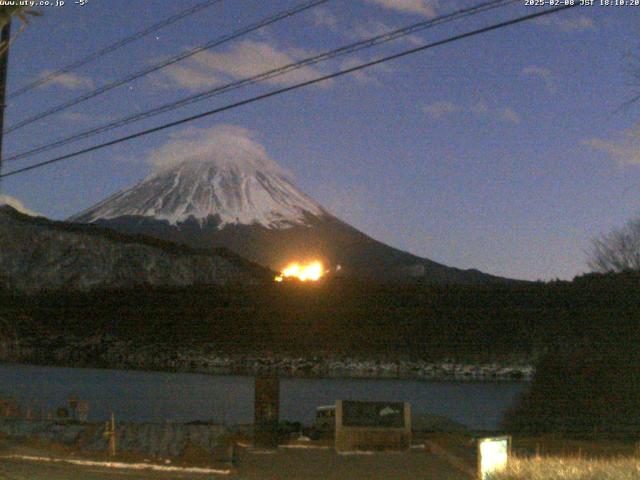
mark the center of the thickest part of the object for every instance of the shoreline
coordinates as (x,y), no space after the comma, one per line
(203,359)
(512,377)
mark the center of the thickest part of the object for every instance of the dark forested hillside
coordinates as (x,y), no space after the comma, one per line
(37,254)
(340,316)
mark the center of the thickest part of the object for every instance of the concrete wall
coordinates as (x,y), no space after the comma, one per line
(154,439)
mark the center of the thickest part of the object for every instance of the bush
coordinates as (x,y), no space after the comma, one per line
(570,469)
(585,389)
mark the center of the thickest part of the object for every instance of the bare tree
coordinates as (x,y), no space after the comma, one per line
(617,251)
(23,13)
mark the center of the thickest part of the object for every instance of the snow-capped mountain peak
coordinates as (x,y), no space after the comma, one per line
(218,188)
(240,189)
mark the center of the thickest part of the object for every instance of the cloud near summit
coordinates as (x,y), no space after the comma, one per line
(225,145)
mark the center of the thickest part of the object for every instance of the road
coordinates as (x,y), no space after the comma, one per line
(283,464)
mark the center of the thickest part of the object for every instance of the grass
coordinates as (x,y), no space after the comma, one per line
(571,468)
(559,446)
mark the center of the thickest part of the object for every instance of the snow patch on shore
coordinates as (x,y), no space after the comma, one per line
(120,465)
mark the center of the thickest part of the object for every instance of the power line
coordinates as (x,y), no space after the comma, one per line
(115,46)
(276,72)
(165,63)
(293,87)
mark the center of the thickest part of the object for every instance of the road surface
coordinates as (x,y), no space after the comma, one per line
(285,464)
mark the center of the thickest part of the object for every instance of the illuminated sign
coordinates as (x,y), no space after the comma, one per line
(493,455)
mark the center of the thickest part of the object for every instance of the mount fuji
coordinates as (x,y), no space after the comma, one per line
(239,198)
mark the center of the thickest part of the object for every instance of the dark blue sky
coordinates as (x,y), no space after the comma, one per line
(506,152)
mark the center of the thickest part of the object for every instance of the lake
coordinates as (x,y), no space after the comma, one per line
(180,397)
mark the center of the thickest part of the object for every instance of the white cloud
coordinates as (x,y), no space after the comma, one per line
(322,17)
(245,59)
(510,115)
(189,78)
(17,205)
(542,73)
(426,8)
(366,75)
(370,28)
(70,81)
(577,23)
(373,28)
(625,150)
(224,144)
(250,58)
(439,109)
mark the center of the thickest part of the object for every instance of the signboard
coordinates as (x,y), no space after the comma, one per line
(493,455)
(373,414)
(363,425)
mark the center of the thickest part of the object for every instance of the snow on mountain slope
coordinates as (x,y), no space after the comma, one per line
(218,175)
(218,188)
(17,205)
(235,193)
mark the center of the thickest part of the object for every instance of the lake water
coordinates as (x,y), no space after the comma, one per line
(180,397)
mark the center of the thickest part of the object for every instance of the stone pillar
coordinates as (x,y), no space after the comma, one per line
(266,411)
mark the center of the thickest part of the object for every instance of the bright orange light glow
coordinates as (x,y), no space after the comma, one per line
(307,272)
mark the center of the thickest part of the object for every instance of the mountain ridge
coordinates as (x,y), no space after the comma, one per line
(247,205)
(42,254)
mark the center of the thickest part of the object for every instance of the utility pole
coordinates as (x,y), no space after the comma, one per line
(5,37)
(110,433)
